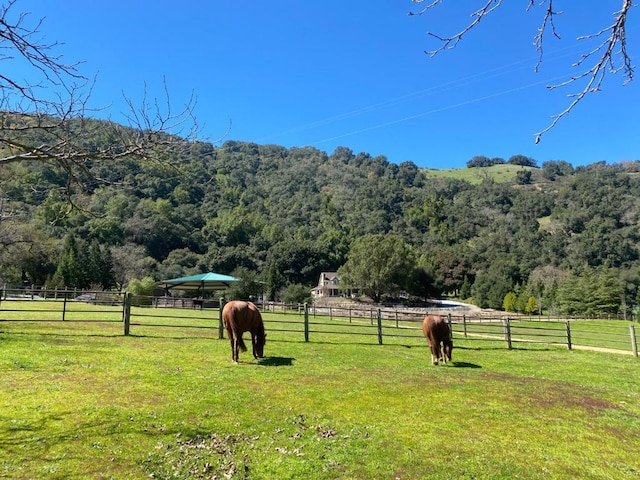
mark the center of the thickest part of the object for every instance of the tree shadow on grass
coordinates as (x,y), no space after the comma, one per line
(276,362)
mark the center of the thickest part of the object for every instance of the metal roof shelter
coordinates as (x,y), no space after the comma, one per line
(203,282)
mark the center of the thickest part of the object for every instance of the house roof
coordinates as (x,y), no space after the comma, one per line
(329,274)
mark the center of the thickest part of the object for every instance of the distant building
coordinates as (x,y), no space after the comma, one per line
(327,286)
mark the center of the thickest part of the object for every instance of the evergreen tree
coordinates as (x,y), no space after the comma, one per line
(68,272)
(465,289)
(103,275)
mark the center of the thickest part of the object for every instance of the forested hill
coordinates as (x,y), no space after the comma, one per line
(565,237)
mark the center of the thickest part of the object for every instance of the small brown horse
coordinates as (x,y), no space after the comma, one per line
(239,317)
(436,330)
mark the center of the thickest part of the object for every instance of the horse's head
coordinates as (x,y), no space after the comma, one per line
(261,339)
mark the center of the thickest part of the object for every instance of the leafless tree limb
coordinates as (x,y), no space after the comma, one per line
(547,22)
(613,48)
(610,56)
(450,42)
(48,118)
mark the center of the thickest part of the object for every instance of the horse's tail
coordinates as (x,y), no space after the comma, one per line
(241,344)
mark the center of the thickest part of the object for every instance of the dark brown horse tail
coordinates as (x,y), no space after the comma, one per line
(241,344)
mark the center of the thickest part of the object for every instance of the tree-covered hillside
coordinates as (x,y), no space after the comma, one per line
(553,237)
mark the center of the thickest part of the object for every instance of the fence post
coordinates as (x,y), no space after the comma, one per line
(568,335)
(220,326)
(306,323)
(126,313)
(507,332)
(634,343)
(64,308)
(379,327)
(464,324)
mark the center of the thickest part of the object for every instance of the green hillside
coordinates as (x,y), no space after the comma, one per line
(551,238)
(498,173)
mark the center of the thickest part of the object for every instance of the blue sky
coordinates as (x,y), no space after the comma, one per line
(353,73)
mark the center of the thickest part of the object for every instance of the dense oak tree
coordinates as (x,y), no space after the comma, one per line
(556,168)
(522,160)
(378,265)
(294,261)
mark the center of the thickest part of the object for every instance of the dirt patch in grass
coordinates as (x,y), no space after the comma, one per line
(546,394)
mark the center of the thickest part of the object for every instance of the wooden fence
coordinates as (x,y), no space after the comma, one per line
(135,314)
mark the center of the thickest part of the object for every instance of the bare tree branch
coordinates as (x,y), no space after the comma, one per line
(612,47)
(450,42)
(547,21)
(609,56)
(48,119)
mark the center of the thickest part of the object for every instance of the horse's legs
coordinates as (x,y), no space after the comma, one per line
(434,353)
(234,347)
(236,350)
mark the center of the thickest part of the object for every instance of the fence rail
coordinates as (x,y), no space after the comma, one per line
(141,315)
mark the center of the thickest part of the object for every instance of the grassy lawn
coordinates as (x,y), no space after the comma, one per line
(81,400)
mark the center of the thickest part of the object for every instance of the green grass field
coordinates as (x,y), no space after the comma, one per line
(80,400)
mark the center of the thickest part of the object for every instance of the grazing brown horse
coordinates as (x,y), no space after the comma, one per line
(436,330)
(239,317)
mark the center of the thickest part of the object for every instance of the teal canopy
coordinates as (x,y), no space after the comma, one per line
(203,282)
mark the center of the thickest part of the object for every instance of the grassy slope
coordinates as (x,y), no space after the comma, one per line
(500,173)
(100,406)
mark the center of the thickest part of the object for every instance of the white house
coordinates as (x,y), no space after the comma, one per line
(327,286)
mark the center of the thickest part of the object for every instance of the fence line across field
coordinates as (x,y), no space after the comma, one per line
(310,321)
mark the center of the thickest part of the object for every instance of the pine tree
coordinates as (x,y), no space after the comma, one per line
(68,273)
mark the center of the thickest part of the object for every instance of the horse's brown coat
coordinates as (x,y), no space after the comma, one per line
(436,330)
(239,317)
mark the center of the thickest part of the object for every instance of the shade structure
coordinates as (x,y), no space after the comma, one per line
(203,282)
